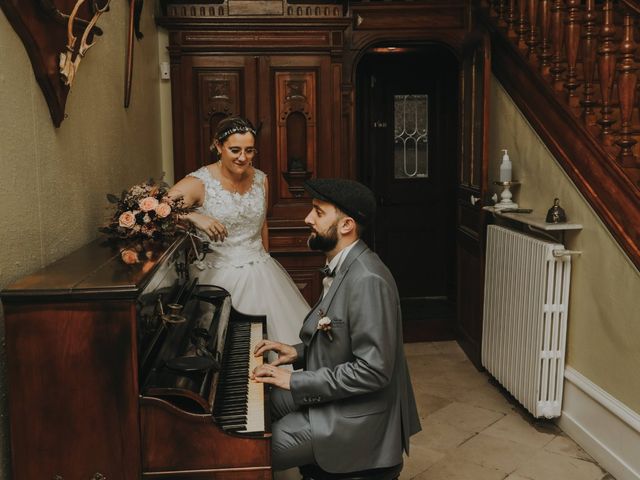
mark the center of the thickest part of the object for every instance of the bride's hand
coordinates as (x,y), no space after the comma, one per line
(209,225)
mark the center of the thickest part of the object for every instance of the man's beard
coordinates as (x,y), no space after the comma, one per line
(324,242)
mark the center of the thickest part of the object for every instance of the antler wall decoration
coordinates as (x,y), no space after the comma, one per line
(56,37)
(70,59)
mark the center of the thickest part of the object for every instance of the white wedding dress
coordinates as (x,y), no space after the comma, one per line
(258,284)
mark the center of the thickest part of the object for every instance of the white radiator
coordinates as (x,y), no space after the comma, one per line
(526,295)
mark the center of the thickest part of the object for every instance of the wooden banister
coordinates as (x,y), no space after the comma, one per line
(546,56)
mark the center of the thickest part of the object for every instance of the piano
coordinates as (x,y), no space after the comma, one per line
(128,371)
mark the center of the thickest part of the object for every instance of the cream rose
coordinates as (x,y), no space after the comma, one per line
(163,210)
(129,256)
(148,203)
(127,219)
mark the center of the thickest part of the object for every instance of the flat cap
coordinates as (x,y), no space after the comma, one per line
(352,197)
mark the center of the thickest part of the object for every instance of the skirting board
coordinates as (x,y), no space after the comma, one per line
(604,427)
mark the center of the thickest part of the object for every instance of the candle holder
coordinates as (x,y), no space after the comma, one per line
(506,195)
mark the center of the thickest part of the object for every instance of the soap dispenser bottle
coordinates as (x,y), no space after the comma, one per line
(505,168)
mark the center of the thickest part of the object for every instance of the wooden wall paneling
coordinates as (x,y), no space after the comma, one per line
(316,72)
(296,117)
(177,105)
(303,267)
(472,190)
(212,87)
(387,16)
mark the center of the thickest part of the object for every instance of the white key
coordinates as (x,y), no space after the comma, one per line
(255,404)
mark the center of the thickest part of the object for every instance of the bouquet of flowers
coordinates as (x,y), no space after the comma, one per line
(145,212)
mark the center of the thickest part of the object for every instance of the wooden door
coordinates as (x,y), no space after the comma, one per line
(472,189)
(409,108)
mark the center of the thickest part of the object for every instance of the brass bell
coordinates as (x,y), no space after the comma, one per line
(556,214)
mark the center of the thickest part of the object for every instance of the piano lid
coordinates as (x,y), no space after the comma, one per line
(96,270)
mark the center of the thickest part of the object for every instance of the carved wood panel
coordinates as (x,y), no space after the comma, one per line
(296,114)
(219,97)
(210,88)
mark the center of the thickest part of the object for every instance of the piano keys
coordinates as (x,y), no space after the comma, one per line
(132,371)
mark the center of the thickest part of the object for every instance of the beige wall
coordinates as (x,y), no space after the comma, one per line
(604,311)
(54,181)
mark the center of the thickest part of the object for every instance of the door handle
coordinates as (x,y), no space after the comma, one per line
(474,200)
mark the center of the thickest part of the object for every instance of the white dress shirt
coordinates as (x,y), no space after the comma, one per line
(334,265)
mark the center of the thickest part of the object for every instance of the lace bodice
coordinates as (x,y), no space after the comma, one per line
(242,214)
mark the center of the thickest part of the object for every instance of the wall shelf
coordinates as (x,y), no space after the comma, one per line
(534,221)
(553,231)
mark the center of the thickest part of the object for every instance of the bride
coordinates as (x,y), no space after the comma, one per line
(231,200)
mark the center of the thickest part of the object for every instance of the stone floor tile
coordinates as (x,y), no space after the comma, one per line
(493,452)
(439,388)
(421,459)
(441,437)
(426,348)
(458,469)
(563,445)
(429,404)
(466,417)
(551,466)
(514,427)
(489,397)
(470,379)
(451,348)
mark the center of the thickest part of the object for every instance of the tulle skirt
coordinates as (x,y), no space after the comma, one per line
(263,288)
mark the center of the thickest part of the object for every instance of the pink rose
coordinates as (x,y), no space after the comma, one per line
(127,219)
(129,256)
(163,210)
(148,203)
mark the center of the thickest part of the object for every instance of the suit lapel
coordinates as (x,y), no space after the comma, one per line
(322,307)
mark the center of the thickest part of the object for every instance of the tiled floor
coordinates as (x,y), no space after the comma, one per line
(472,431)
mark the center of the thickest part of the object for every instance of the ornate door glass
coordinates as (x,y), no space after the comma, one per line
(410,130)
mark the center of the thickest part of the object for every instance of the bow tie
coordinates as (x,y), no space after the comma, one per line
(327,272)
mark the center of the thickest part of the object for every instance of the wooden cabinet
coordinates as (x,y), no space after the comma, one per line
(283,74)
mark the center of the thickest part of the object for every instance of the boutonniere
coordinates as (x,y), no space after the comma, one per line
(324,324)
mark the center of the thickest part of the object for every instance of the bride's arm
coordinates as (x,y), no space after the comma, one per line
(265,227)
(191,190)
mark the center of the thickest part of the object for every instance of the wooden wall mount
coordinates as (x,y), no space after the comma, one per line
(42,27)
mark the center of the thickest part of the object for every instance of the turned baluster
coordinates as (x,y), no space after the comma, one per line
(511,19)
(532,39)
(501,10)
(556,68)
(606,68)
(589,49)
(545,28)
(572,44)
(523,25)
(627,80)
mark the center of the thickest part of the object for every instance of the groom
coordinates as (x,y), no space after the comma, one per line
(352,407)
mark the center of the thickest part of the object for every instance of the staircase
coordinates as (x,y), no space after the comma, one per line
(571,67)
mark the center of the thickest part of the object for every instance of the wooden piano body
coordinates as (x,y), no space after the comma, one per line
(79,408)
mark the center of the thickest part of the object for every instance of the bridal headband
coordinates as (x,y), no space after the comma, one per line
(236,129)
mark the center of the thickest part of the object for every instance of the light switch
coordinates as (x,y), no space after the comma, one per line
(164,71)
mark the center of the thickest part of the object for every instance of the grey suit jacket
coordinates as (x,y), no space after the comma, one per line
(357,387)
